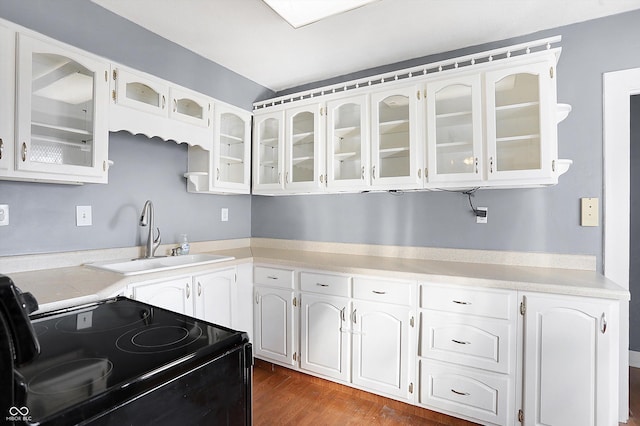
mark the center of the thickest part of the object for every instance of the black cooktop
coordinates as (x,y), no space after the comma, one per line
(111,350)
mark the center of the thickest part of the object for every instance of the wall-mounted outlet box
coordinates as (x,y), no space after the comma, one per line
(83,215)
(480,218)
(588,212)
(224,214)
(4,214)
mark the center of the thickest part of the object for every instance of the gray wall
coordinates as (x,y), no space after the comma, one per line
(42,216)
(634,227)
(535,220)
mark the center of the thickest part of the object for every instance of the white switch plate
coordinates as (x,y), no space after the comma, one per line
(224,214)
(480,219)
(588,212)
(4,214)
(83,215)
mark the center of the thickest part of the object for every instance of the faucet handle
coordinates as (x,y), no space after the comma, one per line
(157,242)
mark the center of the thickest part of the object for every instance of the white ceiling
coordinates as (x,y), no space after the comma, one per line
(248,37)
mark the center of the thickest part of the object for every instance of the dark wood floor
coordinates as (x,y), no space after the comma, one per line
(286,397)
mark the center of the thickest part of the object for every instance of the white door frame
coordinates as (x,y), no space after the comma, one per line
(618,87)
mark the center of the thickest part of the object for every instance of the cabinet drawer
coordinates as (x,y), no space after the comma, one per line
(482,396)
(397,292)
(274,277)
(335,285)
(475,342)
(487,303)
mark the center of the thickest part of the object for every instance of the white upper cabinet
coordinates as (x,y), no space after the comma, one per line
(348,165)
(454,131)
(144,104)
(62,98)
(7,100)
(304,153)
(232,149)
(521,126)
(268,152)
(395,157)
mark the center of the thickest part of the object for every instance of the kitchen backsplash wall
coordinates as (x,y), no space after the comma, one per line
(539,220)
(42,216)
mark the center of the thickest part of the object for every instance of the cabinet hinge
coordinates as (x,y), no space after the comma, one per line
(115,74)
(551,72)
(418,94)
(523,308)
(295,301)
(113,95)
(412,321)
(410,387)
(553,165)
(520,416)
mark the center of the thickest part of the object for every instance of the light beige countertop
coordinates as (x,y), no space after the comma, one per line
(72,285)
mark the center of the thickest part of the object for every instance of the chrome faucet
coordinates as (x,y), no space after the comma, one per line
(146,219)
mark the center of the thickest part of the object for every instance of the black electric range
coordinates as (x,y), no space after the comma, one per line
(123,362)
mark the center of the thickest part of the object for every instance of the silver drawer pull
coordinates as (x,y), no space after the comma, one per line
(322,285)
(460,393)
(460,302)
(271,277)
(460,342)
(379,292)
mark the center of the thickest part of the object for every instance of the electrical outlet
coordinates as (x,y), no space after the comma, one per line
(588,212)
(224,214)
(481,219)
(4,214)
(83,215)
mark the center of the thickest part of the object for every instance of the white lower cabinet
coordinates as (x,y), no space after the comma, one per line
(174,294)
(210,296)
(467,352)
(324,335)
(273,324)
(381,354)
(570,360)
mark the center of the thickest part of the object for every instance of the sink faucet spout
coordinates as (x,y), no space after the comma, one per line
(146,219)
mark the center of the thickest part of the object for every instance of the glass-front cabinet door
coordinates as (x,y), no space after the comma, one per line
(7,101)
(454,130)
(396,160)
(62,97)
(304,157)
(232,148)
(348,143)
(521,136)
(140,92)
(190,107)
(268,152)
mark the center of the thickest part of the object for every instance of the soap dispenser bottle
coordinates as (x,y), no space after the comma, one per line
(184,244)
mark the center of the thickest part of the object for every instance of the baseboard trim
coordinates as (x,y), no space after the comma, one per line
(634,359)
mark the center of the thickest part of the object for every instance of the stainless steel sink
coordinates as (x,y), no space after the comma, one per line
(156,264)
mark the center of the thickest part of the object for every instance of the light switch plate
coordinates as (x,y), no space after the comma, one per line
(83,215)
(224,214)
(4,214)
(588,212)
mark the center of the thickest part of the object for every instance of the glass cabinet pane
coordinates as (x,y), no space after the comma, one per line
(517,112)
(454,130)
(269,155)
(61,112)
(347,142)
(394,136)
(232,140)
(140,92)
(302,147)
(189,108)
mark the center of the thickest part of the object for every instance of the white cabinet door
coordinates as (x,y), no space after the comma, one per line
(324,334)
(190,107)
(454,130)
(140,92)
(273,324)
(175,294)
(570,361)
(304,153)
(381,335)
(62,99)
(242,319)
(7,101)
(216,296)
(348,165)
(268,153)
(521,122)
(231,149)
(395,139)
